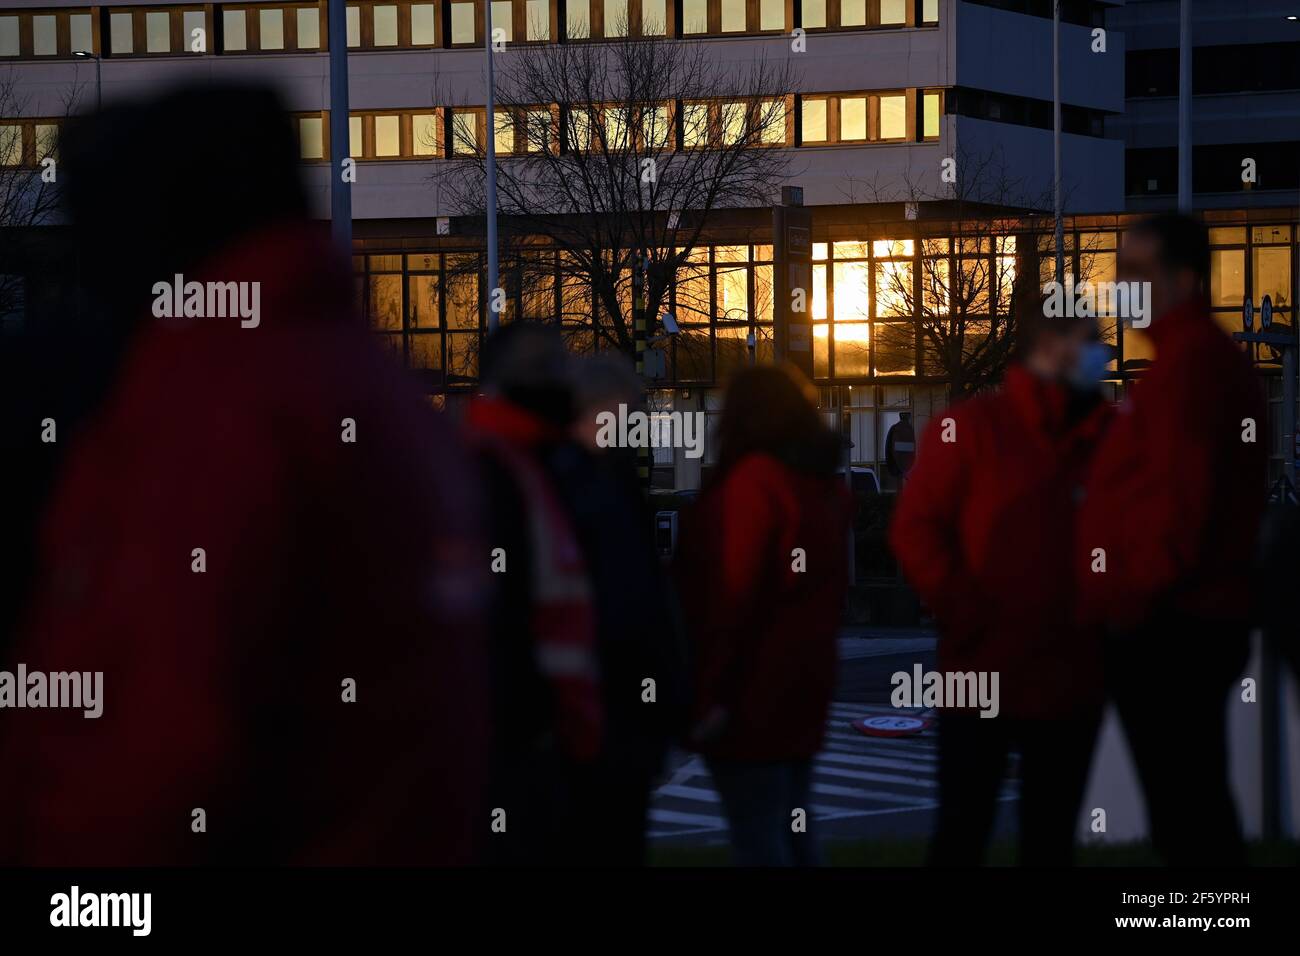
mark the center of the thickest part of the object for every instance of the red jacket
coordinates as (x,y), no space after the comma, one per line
(561,615)
(1175,495)
(325,561)
(983,531)
(764,632)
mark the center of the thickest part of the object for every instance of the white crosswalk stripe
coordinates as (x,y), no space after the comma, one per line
(853,776)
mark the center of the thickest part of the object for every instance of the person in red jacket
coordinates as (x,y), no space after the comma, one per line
(262,537)
(1166,540)
(763,572)
(983,531)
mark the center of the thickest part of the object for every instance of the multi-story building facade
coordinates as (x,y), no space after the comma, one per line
(888,91)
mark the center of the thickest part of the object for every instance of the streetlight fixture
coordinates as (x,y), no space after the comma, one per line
(99,84)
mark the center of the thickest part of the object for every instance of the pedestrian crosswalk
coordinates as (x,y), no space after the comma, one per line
(853,776)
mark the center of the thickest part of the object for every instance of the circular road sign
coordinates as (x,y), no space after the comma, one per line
(890,726)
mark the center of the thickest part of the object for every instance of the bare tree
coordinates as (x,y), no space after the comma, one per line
(953,291)
(614,158)
(28,185)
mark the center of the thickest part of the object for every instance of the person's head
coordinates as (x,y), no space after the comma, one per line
(1172,252)
(156,185)
(1062,349)
(773,410)
(601,383)
(526,364)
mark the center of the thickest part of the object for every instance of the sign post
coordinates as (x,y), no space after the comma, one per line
(792,308)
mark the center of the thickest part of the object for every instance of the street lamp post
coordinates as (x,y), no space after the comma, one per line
(99,84)
(1059,222)
(340,188)
(1185,106)
(492,316)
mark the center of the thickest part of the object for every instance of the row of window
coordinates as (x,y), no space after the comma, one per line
(809,120)
(396,24)
(27,142)
(430,309)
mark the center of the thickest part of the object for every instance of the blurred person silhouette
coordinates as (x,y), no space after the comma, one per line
(762,570)
(1173,507)
(983,530)
(638,628)
(261,536)
(548,715)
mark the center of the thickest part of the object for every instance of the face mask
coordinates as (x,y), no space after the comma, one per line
(1090,367)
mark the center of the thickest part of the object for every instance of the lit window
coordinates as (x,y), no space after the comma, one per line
(893,13)
(271,24)
(462,23)
(388,136)
(424,134)
(733,16)
(385,23)
(579,25)
(539,130)
(617,129)
(616,24)
(853,117)
(930,11)
(422,24)
(814,13)
(695,124)
(465,132)
(504,133)
(47,141)
(82,38)
(354,26)
(311,137)
(195,31)
(771,15)
(9,36)
(580,131)
(538,26)
(654,18)
(11,145)
(772,115)
(157,32)
(853,13)
(121,32)
(893,117)
(930,121)
(503,21)
(695,16)
(356,145)
(733,123)
(234,29)
(45,35)
(656,130)
(308,28)
(814,121)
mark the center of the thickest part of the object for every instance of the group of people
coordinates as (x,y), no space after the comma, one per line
(333,625)
(1086,553)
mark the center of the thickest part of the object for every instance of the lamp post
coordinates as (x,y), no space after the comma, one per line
(340,188)
(1185,106)
(99,84)
(493,319)
(1058,219)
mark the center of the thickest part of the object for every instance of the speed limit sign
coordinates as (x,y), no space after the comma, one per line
(890,726)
